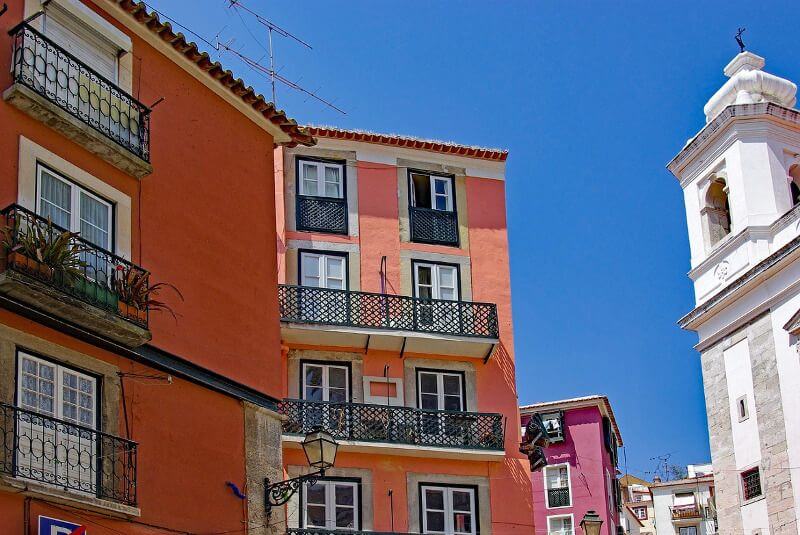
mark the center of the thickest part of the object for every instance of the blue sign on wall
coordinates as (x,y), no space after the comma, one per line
(53,526)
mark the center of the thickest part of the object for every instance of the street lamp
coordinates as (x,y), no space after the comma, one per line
(320,449)
(591,523)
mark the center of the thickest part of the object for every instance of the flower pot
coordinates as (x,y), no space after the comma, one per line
(29,266)
(132,313)
(95,293)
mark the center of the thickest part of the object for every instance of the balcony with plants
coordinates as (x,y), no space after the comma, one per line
(55,87)
(61,274)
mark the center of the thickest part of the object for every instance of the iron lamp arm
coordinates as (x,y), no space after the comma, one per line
(276,494)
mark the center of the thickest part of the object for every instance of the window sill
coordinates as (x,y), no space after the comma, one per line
(753,500)
(38,107)
(65,497)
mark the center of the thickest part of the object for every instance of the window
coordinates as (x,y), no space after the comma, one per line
(321,179)
(683,499)
(794,184)
(640,513)
(717,212)
(609,491)
(74,208)
(443,391)
(431,191)
(553,425)
(687,530)
(326,382)
(448,510)
(557,488)
(751,484)
(332,504)
(59,392)
(559,525)
(435,281)
(323,270)
(742,408)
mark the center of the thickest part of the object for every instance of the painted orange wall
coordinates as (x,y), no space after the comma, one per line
(207,213)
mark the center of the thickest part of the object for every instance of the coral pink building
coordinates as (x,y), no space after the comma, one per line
(581,471)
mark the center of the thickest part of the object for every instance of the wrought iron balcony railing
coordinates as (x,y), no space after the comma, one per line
(66,455)
(322,214)
(305,304)
(400,425)
(558,497)
(95,279)
(433,226)
(46,68)
(685,512)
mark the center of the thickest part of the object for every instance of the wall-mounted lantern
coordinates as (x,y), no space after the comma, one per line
(591,523)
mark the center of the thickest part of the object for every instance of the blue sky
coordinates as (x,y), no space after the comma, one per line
(592,99)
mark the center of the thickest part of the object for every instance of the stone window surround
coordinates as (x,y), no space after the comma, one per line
(743,399)
(290,178)
(482,497)
(102,27)
(408,257)
(31,155)
(292,259)
(353,360)
(762,482)
(410,366)
(365,493)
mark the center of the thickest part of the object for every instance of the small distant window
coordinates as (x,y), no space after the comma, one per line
(321,179)
(794,184)
(688,530)
(751,484)
(640,512)
(431,191)
(553,425)
(717,211)
(742,408)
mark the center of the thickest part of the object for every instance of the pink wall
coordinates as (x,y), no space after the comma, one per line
(588,460)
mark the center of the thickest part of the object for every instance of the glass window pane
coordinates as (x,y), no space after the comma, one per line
(429,402)
(335,267)
(447,277)
(428,383)
(337,395)
(435,520)
(55,199)
(462,522)
(452,384)
(333,186)
(441,203)
(337,377)
(424,275)
(448,294)
(452,403)
(94,216)
(461,501)
(310,265)
(313,375)
(315,493)
(434,499)
(310,178)
(440,186)
(313,393)
(345,495)
(345,517)
(315,515)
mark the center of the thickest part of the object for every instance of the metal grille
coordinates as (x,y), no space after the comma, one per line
(52,72)
(751,484)
(302,304)
(399,425)
(558,497)
(323,214)
(91,282)
(434,226)
(66,455)
(686,512)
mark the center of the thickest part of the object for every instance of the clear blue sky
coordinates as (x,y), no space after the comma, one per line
(592,99)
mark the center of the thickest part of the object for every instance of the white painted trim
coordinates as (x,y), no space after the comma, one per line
(569,485)
(571,517)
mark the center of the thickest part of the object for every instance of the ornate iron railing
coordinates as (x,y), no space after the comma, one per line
(304,304)
(558,497)
(322,214)
(70,456)
(94,279)
(433,226)
(46,68)
(400,425)
(685,512)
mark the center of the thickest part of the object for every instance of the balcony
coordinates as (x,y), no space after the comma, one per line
(75,280)
(405,429)
(322,214)
(56,88)
(61,454)
(685,512)
(387,322)
(558,497)
(437,227)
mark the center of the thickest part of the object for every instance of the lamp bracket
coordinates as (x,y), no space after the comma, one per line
(279,493)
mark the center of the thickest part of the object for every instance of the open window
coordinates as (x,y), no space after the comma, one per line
(553,424)
(717,212)
(432,208)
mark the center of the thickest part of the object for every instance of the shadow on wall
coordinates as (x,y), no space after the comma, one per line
(504,362)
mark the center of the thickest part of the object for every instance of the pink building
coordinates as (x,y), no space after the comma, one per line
(581,471)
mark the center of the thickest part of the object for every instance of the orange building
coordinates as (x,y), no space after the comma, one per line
(113,419)
(396,325)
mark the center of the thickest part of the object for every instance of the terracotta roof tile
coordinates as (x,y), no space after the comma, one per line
(138,10)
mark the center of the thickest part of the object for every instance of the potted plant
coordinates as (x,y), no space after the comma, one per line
(44,251)
(136,295)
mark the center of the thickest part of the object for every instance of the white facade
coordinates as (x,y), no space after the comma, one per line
(741,182)
(684,507)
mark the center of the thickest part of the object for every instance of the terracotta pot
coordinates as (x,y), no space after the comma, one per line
(132,313)
(32,267)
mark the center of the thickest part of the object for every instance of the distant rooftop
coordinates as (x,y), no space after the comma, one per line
(397,140)
(684,481)
(574,403)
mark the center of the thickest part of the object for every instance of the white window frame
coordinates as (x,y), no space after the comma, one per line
(330,503)
(440,388)
(432,179)
(545,482)
(436,284)
(325,378)
(551,519)
(448,508)
(322,260)
(58,388)
(637,508)
(75,202)
(320,166)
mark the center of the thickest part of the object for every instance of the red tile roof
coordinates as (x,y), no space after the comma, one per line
(138,10)
(393,140)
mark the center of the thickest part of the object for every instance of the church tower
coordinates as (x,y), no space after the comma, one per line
(740,177)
